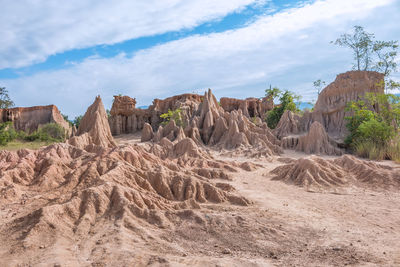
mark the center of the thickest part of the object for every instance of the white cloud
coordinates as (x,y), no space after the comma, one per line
(33,30)
(289,49)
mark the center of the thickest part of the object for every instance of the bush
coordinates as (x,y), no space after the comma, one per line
(374,126)
(175,115)
(374,131)
(7,133)
(49,132)
(287,103)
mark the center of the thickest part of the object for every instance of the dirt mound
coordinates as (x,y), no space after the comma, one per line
(94,128)
(315,173)
(211,126)
(369,172)
(316,141)
(67,190)
(312,173)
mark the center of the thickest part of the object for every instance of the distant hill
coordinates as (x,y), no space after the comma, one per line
(143,107)
(304,105)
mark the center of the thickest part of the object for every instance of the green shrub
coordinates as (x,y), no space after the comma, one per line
(373,126)
(286,103)
(49,132)
(175,115)
(7,133)
(374,131)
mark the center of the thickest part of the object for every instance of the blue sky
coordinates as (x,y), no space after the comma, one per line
(67,53)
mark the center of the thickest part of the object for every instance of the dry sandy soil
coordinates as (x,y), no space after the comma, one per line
(286,225)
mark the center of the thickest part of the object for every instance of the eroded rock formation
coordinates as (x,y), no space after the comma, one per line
(94,128)
(126,118)
(329,111)
(350,86)
(316,141)
(31,118)
(250,107)
(211,125)
(316,173)
(289,124)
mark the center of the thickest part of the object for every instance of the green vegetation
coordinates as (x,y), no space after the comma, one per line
(77,121)
(5,101)
(175,115)
(49,133)
(318,84)
(286,99)
(19,144)
(374,132)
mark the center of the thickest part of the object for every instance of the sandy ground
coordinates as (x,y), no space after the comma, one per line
(285,226)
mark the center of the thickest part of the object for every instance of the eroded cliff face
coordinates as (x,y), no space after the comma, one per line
(329,110)
(30,118)
(250,107)
(350,86)
(126,118)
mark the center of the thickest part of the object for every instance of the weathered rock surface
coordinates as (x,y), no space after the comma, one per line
(330,107)
(289,124)
(316,141)
(94,128)
(312,173)
(250,107)
(316,173)
(211,125)
(126,118)
(147,133)
(350,86)
(30,119)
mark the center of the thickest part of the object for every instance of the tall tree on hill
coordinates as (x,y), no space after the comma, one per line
(5,100)
(369,53)
(361,43)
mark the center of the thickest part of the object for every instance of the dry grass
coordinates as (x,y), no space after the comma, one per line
(374,152)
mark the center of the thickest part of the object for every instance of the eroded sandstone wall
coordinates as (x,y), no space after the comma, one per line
(330,107)
(30,118)
(250,107)
(126,118)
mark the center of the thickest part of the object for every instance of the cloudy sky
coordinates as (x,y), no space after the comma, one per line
(67,52)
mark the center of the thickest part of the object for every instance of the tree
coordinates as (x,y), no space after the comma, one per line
(361,43)
(286,99)
(271,93)
(370,54)
(318,84)
(5,101)
(77,121)
(386,53)
(175,115)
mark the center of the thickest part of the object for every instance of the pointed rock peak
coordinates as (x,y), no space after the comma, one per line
(317,141)
(94,128)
